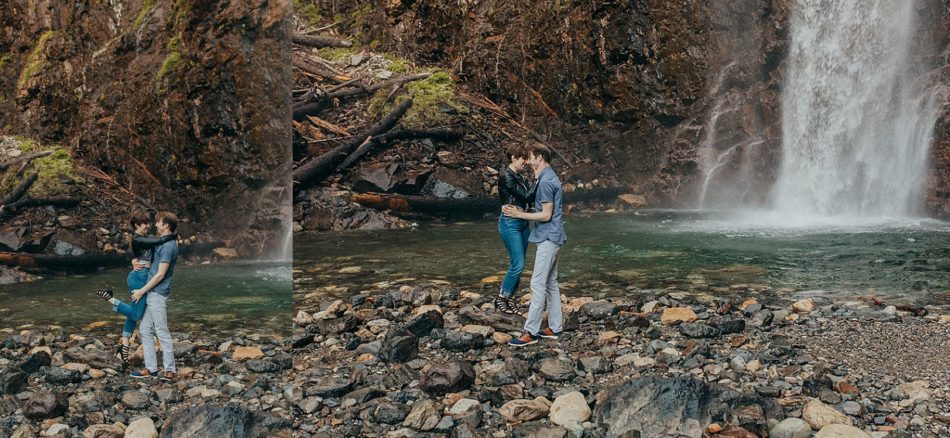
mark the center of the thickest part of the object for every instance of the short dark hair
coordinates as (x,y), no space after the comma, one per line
(540,150)
(168,218)
(516,151)
(138,218)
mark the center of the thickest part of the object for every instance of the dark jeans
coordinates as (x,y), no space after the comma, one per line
(514,232)
(133,311)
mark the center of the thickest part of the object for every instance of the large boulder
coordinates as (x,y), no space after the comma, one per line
(440,378)
(231,420)
(12,380)
(399,345)
(654,406)
(43,406)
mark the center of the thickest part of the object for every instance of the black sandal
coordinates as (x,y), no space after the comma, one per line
(106,293)
(501,304)
(513,307)
(124,352)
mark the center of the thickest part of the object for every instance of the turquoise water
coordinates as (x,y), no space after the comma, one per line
(224,298)
(618,254)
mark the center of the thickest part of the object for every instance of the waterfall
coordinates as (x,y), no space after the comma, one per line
(857,112)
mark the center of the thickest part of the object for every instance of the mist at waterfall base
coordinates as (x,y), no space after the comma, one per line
(858,113)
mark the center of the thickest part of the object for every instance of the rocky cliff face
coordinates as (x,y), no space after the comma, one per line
(660,92)
(185,104)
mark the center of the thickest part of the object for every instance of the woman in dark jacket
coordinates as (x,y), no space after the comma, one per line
(143,247)
(513,189)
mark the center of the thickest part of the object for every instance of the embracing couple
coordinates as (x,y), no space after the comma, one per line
(150,285)
(548,234)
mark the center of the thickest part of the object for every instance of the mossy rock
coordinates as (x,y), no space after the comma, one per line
(53,171)
(433,102)
(335,54)
(36,62)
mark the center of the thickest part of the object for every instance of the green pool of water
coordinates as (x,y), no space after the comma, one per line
(707,252)
(220,299)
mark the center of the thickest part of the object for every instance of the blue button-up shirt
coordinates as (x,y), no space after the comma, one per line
(549,191)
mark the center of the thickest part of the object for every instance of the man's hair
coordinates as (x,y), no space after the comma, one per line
(138,218)
(540,150)
(516,151)
(168,218)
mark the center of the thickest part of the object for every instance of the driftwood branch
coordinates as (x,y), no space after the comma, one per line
(400,134)
(319,168)
(474,206)
(24,158)
(320,41)
(19,191)
(9,210)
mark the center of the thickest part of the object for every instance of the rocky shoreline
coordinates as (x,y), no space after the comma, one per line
(429,359)
(56,384)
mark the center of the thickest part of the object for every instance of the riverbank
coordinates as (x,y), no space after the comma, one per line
(419,358)
(56,383)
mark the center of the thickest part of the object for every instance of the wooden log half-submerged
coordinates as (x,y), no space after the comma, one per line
(91,262)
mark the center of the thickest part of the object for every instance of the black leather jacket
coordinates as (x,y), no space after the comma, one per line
(514,190)
(143,247)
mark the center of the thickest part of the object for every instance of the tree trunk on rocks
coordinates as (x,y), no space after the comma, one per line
(90,262)
(320,41)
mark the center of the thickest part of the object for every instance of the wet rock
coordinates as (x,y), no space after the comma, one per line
(570,408)
(399,346)
(421,324)
(696,330)
(440,378)
(169,395)
(135,400)
(344,324)
(142,427)
(556,370)
(596,365)
(94,358)
(425,415)
(841,431)
(363,395)
(388,412)
(34,362)
(654,406)
(215,421)
(62,376)
(730,325)
(791,428)
(184,349)
(301,341)
(333,387)
(502,322)
(513,370)
(537,429)
(599,310)
(676,315)
(462,341)
(262,366)
(43,406)
(761,318)
(12,380)
(517,411)
(103,431)
(819,415)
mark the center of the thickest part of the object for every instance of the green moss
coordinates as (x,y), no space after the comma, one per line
(5,59)
(336,53)
(36,61)
(307,11)
(173,60)
(433,101)
(51,170)
(146,8)
(398,64)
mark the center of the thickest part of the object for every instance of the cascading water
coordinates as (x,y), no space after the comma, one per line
(857,114)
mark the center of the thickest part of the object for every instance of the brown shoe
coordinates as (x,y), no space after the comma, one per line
(167,376)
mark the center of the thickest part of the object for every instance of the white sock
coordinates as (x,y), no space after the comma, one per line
(113,301)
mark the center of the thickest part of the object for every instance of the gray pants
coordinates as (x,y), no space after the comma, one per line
(155,323)
(544,290)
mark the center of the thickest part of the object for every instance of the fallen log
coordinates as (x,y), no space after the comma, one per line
(400,134)
(320,41)
(474,206)
(320,167)
(91,262)
(19,191)
(23,158)
(9,210)
(319,70)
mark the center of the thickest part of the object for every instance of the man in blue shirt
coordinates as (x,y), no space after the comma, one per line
(156,292)
(549,235)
